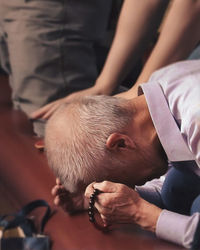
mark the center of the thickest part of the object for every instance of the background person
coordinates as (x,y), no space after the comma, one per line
(137,27)
(47,48)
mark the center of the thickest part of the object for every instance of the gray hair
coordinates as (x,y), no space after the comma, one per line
(75,138)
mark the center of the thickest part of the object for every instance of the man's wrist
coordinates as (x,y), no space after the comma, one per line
(147,215)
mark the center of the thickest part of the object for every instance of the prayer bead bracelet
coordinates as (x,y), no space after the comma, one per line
(91,205)
(91,211)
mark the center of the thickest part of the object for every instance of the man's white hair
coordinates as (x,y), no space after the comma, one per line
(75,139)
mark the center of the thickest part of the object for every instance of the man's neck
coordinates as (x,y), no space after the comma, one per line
(142,119)
(146,133)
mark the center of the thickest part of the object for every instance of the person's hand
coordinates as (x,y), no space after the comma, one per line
(46,111)
(120,204)
(69,202)
(129,94)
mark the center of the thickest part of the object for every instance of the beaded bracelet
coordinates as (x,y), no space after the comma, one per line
(91,205)
(93,196)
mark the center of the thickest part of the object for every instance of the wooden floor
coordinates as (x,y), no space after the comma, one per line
(25,176)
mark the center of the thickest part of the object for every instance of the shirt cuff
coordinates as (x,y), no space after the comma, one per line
(151,191)
(177,228)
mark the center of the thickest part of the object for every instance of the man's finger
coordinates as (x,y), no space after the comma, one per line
(105,220)
(102,209)
(89,189)
(57,201)
(62,202)
(106,186)
(56,190)
(58,182)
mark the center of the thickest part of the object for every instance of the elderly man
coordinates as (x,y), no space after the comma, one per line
(130,142)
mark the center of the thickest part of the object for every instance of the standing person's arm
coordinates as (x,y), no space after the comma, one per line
(179,35)
(137,24)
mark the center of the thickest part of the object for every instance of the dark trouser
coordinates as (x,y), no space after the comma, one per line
(181,191)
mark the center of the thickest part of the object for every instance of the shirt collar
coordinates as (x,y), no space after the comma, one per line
(166,127)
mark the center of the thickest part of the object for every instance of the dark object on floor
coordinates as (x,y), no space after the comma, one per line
(26,236)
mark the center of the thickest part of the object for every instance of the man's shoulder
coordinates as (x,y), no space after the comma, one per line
(176,71)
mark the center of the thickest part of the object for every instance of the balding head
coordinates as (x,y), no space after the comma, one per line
(76,136)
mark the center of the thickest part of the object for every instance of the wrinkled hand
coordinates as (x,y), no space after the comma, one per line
(69,202)
(47,111)
(117,203)
(121,204)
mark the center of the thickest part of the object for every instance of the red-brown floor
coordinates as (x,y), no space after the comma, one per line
(25,176)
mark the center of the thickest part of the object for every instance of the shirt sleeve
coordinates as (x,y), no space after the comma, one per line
(151,191)
(179,229)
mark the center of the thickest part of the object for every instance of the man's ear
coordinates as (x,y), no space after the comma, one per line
(118,141)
